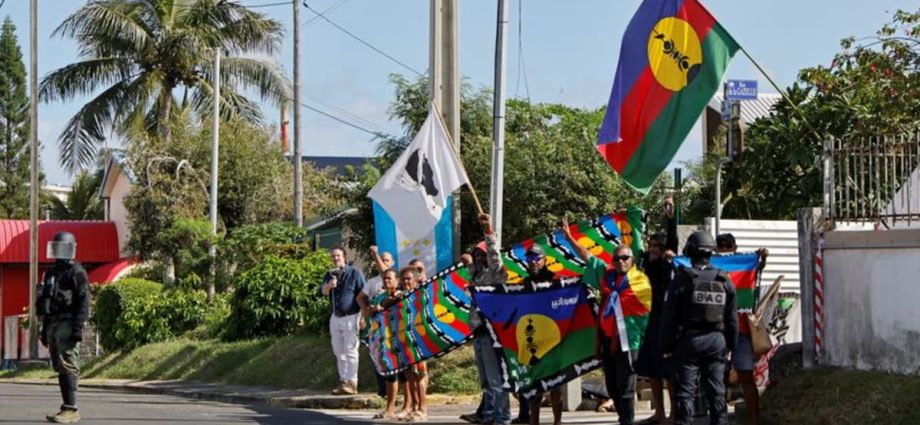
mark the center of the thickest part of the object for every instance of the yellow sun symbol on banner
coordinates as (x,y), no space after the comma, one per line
(625,232)
(536,335)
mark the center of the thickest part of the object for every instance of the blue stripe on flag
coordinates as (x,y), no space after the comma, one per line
(443,237)
(385,232)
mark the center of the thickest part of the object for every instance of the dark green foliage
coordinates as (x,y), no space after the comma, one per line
(111,302)
(83,201)
(246,246)
(14,127)
(134,312)
(279,296)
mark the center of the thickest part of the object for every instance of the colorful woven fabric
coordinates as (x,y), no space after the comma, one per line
(545,333)
(434,319)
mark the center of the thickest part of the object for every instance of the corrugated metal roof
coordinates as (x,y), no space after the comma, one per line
(750,109)
(97,241)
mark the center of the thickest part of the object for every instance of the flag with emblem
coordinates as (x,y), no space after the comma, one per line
(544,333)
(416,189)
(672,59)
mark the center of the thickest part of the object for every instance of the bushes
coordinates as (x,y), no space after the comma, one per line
(278,296)
(134,312)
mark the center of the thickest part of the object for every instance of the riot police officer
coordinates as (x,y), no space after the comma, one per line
(699,325)
(63,305)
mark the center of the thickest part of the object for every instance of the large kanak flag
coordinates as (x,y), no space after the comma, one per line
(672,59)
(416,189)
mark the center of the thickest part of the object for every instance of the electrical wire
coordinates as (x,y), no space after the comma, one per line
(362,41)
(522,67)
(348,123)
(255,6)
(325,11)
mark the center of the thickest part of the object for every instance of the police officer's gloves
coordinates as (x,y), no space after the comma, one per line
(76,335)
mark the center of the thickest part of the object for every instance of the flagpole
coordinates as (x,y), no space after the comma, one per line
(459,160)
(781,91)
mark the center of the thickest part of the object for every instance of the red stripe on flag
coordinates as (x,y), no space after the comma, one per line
(640,108)
(746,279)
(631,304)
(698,17)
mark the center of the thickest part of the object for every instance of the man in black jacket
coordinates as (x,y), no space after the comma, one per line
(63,306)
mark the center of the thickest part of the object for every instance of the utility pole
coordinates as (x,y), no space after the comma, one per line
(215,154)
(297,157)
(33,180)
(498,122)
(444,73)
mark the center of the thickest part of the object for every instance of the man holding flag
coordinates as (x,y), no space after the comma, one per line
(624,289)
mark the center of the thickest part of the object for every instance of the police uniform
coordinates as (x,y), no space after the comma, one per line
(699,324)
(63,305)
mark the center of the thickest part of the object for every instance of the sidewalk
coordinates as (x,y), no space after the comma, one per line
(236,394)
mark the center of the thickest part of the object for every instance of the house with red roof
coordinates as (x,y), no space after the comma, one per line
(98,249)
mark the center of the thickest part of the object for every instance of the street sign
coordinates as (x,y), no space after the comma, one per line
(741,90)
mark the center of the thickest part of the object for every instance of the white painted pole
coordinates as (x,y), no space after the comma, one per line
(498,121)
(215,155)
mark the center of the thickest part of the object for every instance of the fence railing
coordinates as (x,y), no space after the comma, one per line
(873,179)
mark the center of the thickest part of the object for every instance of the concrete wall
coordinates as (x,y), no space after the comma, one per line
(871,292)
(116,192)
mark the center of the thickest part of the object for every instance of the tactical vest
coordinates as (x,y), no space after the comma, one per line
(57,293)
(707,300)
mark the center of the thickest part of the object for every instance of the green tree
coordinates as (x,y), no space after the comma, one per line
(14,127)
(551,166)
(870,89)
(140,53)
(255,187)
(83,202)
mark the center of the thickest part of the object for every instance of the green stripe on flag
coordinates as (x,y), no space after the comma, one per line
(667,133)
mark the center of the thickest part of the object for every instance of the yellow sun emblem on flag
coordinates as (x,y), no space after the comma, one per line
(536,335)
(625,232)
(675,55)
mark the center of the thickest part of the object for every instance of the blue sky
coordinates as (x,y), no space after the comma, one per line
(570,50)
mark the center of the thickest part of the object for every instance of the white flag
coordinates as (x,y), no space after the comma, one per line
(414,191)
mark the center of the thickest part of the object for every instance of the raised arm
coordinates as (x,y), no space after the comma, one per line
(580,250)
(493,255)
(378,261)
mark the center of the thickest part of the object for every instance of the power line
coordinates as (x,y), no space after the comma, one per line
(255,6)
(348,123)
(361,40)
(325,11)
(352,115)
(522,68)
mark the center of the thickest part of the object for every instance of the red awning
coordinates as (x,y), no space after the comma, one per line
(107,273)
(97,241)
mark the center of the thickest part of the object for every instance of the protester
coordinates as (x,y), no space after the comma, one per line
(485,269)
(342,285)
(743,354)
(657,264)
(699,326)
(538,272)
(383,300)
(63,306)
(619,375)
(373,286)
(415,407)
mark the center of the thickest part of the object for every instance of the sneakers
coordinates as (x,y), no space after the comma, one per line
(345,388)
(471,418)
(65,416)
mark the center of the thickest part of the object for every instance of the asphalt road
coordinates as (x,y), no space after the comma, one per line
(28,404)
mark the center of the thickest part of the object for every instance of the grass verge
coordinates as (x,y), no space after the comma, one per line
(825,395)
(297,362)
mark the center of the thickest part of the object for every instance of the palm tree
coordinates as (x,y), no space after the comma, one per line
(83,202)
(143,53)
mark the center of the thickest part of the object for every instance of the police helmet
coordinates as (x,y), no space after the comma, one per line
(700,244)
(63,246)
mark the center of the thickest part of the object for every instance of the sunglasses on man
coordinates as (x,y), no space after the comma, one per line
(531,259)
(622,257)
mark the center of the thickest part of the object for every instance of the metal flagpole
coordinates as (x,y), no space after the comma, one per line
(34,165)
(498,122)
(215,154)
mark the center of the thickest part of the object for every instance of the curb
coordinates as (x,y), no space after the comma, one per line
(226,394)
